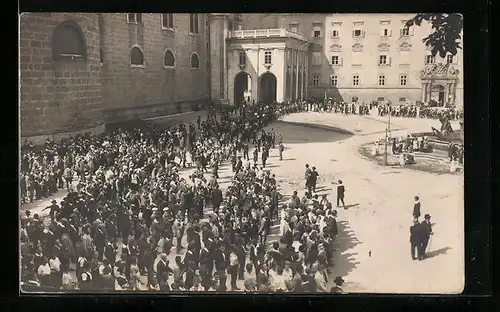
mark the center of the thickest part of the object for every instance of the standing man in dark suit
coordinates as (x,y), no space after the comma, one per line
(416,208)
(426,232)
(415,239)
(216,199)
(340,194)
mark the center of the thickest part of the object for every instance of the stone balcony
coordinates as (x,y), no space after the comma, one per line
(265,33)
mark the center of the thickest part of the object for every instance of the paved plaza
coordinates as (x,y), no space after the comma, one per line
(373,249)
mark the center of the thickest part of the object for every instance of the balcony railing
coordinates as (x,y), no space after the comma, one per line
(265,33)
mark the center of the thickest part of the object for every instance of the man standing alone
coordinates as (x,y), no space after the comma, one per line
(416,208)
(340,194)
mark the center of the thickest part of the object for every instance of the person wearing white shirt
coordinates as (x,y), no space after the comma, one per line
(55,271)
(44,273)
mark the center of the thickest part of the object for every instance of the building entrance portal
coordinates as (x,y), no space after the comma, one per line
(267,88)
(242,88)
(437,94)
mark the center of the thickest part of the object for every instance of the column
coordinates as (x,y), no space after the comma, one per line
(297,61)
(218,56)
(423,92)
(279,70)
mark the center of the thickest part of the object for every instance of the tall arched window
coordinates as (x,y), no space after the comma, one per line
(195,61)
(169,59)
(68,42)
(136,56)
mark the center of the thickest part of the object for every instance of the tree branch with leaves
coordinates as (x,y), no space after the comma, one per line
(446,33)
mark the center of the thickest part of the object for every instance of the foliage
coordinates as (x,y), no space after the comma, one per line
(446,35)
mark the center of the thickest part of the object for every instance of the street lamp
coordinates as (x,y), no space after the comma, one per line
(387,132)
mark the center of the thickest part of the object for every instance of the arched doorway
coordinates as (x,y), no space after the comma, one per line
(267,88)
(242,88)
(437,94)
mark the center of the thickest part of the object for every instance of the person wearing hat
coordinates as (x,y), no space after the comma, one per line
(339,281)
(54,209)
(415,239)
(340,194)
(426,231)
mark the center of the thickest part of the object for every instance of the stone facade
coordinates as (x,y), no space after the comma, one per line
(380,34)
(67,94)
(62,95)
(63,92)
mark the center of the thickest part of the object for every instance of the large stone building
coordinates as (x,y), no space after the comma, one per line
(82,70)
(370,57)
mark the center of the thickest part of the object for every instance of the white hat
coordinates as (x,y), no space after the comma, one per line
(165,209)
(155,209)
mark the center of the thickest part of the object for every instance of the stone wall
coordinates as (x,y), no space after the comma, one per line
(61,95)
(69,95)
(133,87)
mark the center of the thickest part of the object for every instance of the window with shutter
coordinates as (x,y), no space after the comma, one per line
(167,21)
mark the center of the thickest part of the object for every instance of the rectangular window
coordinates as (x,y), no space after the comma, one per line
(134,18)
(316,58)
(430,59)
(243,58)
(405,31)
(316,31)
(381,80)
(167,20)
(334,80)
(386,32)
(267,57)
(316,80)
(402,99)
(449,59)
(335,60)
(382,60)
(335,33)
(381,99)
(357,33)
(355,80)
(294,27)
(403,79)
(193,23)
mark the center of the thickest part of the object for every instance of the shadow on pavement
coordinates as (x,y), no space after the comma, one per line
(346,240)
(437,252)
(351,206)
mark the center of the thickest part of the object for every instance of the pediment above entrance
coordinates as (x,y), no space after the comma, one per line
(439,71)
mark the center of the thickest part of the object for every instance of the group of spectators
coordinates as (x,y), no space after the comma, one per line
(130,207)
(419,111)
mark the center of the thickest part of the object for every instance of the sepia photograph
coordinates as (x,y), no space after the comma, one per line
(184,153)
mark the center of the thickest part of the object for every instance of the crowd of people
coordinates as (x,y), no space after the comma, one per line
(129,208)
(419,111)
(416,110)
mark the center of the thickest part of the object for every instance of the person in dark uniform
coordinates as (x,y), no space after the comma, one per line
(416,208)
(415,239)
(216,199)
(426,232)
(340,194)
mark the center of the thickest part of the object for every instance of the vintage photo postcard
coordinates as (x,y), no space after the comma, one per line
(285,153)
